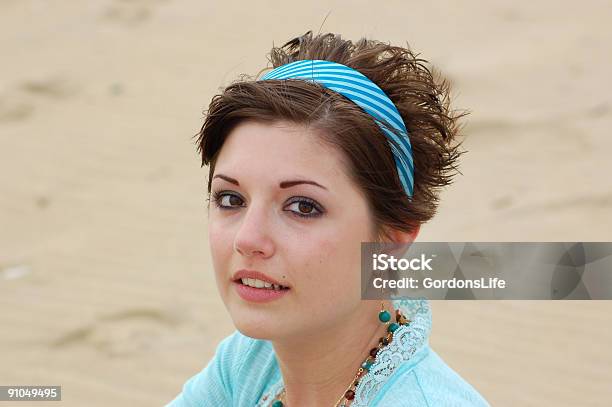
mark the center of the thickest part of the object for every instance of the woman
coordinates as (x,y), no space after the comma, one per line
(341,143)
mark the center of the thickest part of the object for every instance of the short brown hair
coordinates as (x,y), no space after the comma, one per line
(421,97)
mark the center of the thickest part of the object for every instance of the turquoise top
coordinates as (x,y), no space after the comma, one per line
(244,372)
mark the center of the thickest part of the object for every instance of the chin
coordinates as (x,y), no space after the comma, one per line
(254,329)
(255,323)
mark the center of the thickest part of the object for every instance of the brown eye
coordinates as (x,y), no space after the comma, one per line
(234,200)
(226,200)
(305,208)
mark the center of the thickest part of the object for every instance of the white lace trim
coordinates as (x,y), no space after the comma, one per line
(407,340)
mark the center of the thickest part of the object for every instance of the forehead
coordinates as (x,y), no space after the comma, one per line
(254,148)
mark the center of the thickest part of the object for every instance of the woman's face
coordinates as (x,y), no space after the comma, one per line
(305,236)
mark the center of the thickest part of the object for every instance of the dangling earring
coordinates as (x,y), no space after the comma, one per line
(384,316)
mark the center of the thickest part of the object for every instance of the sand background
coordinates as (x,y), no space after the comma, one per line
(106,284)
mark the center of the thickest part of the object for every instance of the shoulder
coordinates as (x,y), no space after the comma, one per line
(236,350)
(242,356)
(251,366)
(239,370)
(430,382)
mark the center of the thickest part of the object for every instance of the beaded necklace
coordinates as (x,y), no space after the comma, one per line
(385,317)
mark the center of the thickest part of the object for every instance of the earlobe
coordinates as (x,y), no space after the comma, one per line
(393,241)
(399,236)
(415,232)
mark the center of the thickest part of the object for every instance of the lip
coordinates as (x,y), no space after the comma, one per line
(240,274)
(257,295)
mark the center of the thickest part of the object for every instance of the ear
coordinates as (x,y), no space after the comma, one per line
(398,240)
(398,236)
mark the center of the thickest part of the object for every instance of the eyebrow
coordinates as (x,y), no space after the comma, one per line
(283,185)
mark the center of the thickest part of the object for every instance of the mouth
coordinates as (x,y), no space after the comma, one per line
(258,280)
(256,287)
(260,284)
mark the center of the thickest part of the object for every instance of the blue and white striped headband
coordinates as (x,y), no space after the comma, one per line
(355,86)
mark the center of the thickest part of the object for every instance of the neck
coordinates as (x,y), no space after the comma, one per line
(317,369)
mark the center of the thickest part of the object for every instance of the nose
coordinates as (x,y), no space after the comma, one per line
(253,235)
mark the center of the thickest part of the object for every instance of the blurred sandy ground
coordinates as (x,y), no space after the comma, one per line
(106,285)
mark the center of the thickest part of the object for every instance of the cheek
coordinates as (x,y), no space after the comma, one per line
(220,241)
(331,264)
(338,260)
(342,248)
(329,280)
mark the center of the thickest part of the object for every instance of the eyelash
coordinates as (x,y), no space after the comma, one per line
(218,195)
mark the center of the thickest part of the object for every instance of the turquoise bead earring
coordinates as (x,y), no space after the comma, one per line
(384,316)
